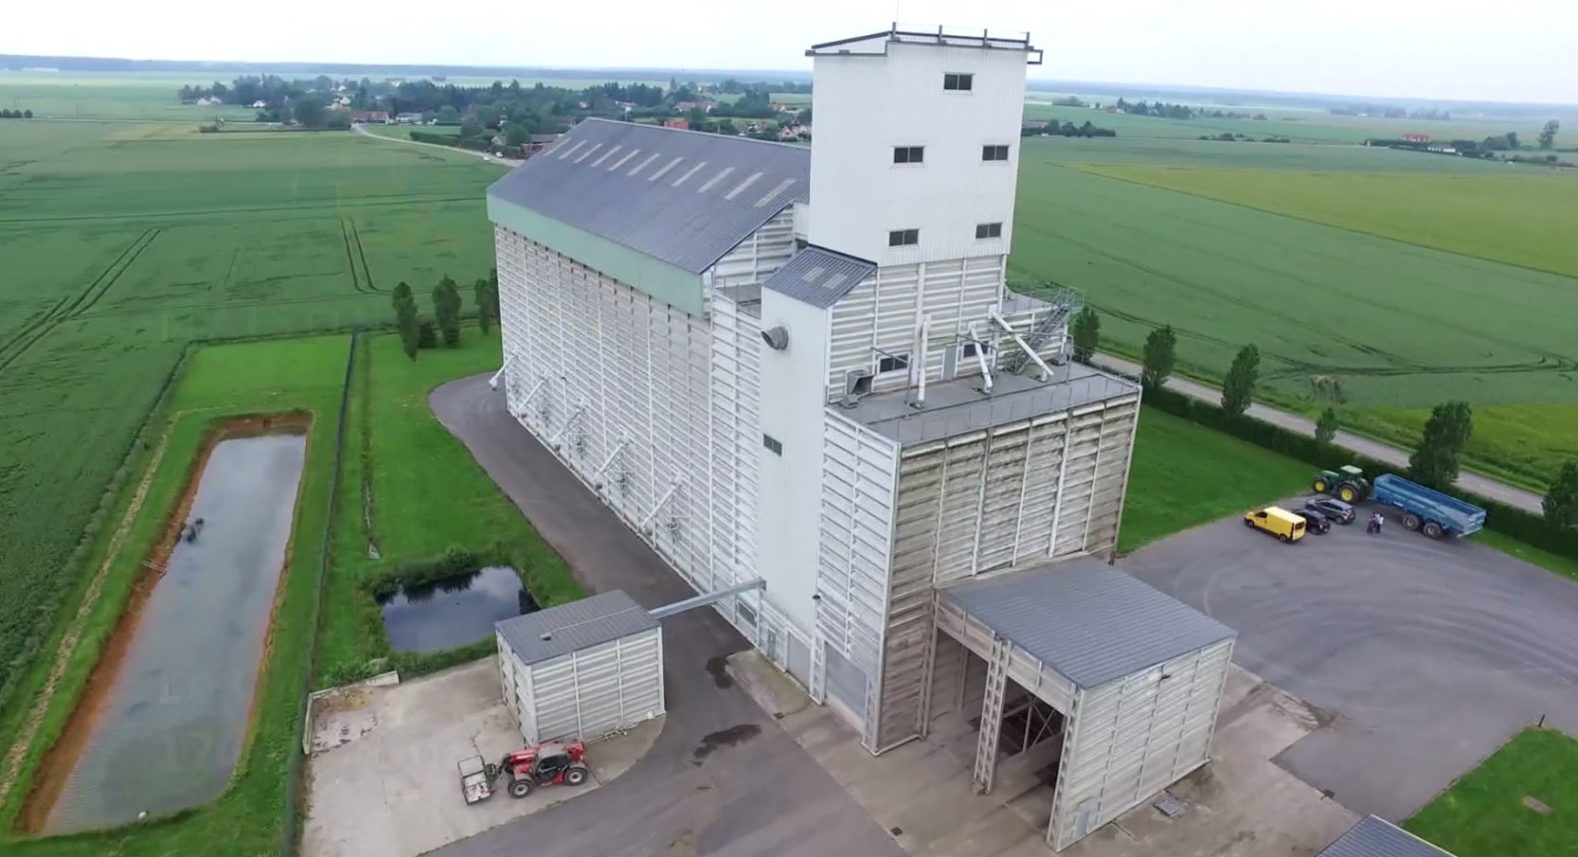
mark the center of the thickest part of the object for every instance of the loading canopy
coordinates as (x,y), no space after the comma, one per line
(1136,673)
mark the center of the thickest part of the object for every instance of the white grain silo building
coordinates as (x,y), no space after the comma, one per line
(804,366)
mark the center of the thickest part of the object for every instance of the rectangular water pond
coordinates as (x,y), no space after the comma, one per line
(167,732)
(454,611)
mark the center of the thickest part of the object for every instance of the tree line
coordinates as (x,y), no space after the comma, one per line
(16,114)
(1435,462)
(418,332)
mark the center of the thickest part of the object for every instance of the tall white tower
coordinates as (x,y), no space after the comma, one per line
(915,152)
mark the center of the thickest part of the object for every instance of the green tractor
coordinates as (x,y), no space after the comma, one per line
(1346,484)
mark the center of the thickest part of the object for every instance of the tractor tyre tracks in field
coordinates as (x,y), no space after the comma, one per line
(69,308)
(356,259)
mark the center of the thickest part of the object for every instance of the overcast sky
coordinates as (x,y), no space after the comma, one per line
(1526,50)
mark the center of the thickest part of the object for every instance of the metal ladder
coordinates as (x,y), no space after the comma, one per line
(991,716)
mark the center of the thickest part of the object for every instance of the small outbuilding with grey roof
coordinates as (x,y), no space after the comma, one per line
(582,669)
(1134,676)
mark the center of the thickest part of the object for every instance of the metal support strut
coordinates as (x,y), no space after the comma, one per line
(706,598)
(991,716)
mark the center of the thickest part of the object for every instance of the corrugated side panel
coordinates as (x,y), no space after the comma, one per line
(1033,540)
(1003,497)
(1094,476)
(910,626)
(1134,737)
(736,445)
(947,676)
(959,522)
(755,259)
(883,314)
(598,690)
(856,540)
(594,363)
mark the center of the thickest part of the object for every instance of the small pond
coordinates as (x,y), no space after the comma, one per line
(453,611)
(165,717)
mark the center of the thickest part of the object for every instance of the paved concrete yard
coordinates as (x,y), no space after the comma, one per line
(1428,655)
(1240,805)
(383,779)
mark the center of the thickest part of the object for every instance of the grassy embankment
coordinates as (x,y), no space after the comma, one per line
(1483,814)
(426,494)
(220,382)
(1399,326)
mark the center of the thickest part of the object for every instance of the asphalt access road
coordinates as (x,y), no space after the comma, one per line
(1427,654)
(723,777)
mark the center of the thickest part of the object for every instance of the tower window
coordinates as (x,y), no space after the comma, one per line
(893,363)
(903,237)
(909,154)
(773,445)
(994,153)
(988,230)
(958,81)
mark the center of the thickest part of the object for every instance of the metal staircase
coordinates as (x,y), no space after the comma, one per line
(1064,302)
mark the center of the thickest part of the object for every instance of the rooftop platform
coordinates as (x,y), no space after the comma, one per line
(957,407)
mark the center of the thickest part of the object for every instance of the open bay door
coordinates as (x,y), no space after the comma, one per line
(1136,675)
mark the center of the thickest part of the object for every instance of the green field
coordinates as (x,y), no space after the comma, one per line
(403,132)
(1317,126)
(222,381)
(1184,475)
(107,95)
(1484,814)
(1399,326)
(122,242)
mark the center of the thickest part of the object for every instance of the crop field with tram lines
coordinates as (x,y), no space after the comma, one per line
(1375,301)
(122,242)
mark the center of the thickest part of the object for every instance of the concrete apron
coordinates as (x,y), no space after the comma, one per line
(382,777)
(1240,805)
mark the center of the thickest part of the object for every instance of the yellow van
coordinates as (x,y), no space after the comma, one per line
(1277,521)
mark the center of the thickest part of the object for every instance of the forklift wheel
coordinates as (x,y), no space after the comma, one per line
(520,788)
(575,776)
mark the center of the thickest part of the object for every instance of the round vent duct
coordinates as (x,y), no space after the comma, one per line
(777,338)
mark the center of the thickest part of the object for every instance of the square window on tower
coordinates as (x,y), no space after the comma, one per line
(994,153)
(909,154)
(988,230)
(903,237)
(958,81)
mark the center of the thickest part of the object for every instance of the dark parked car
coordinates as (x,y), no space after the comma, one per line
(1332,508)
(1314,521)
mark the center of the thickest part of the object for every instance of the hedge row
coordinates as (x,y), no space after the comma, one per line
(1528,528)
(479,144)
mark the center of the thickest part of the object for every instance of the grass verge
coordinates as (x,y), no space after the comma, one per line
(414,491)
(1185,474)
(221,382)
(1487,813)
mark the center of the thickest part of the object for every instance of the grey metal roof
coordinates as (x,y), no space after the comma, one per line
(1377,837)
(560,630)
(1087,620)
(819,277)
(684,197)
(957,407)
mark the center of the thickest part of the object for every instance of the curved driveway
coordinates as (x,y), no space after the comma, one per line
(1427,655)
(751,790)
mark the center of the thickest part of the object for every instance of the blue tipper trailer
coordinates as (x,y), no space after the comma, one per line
(1427,510)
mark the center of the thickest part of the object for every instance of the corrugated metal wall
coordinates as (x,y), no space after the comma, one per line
(856,537)
(607,375)
(882,314)
(736,447)
(591,692)
(1130,739)
(1095,471)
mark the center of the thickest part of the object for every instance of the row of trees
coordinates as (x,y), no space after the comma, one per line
(1435,462)
(1054,128)
(417,332)
(16,114)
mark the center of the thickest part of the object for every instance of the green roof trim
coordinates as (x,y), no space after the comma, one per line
(668,283)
